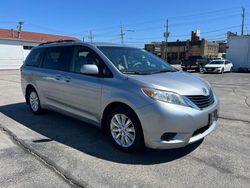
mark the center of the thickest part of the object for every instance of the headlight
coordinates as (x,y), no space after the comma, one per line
(169,97)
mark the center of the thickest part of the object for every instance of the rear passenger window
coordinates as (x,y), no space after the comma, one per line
(34,58)
(58,58)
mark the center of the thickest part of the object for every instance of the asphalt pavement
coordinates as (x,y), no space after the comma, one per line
(53,150)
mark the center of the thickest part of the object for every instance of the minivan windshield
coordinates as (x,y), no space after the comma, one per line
(135,61)
(216,62)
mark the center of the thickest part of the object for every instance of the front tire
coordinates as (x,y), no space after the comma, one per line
(222,70)
(34,102)
(201,70)
(125,130)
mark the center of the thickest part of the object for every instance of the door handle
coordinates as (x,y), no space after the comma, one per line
(67,78)
(58,77)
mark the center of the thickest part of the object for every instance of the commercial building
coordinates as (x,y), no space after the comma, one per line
(176,51)
(16,45)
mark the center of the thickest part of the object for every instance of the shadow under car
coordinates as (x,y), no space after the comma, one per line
(87,138)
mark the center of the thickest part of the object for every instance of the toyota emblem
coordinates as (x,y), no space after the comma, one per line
(205,91)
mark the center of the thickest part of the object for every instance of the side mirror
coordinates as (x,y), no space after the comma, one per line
(89,69)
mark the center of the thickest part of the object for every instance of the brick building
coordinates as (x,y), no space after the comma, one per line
(182,49)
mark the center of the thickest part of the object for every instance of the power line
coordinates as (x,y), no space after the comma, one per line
(46,28)
(187,35)
(159,27)
(8,22)
(211,31)
(204,21)
(98,29)
(208,12)
(220,11)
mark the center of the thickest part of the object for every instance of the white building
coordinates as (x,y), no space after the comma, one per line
(239,52)
(15,46)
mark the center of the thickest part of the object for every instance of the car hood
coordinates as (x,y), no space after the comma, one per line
(213,66)
(179,82)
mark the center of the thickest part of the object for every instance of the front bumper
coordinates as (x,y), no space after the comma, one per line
(159,118)
(213,70)
(190,66)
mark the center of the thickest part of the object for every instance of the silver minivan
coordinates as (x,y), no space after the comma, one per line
(133,96)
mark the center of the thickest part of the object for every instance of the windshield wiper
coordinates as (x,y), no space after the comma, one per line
(135,72)
(163,71)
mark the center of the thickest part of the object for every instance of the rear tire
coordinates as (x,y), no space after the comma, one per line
(231,69)
(125,130)
(34,101)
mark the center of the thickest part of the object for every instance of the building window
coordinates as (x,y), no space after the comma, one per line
(27,47)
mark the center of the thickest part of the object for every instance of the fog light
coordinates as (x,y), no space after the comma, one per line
(168,136)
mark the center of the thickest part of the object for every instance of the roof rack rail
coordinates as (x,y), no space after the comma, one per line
(57,41)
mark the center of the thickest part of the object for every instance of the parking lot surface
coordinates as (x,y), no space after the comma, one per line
(53,150)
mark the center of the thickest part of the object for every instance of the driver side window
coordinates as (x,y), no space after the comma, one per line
(86,56)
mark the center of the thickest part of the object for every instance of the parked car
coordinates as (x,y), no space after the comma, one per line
(217,58)
(133,96)
(194,63)
(218,66)
(175,62)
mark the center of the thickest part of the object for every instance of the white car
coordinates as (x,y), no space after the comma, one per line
(218,66)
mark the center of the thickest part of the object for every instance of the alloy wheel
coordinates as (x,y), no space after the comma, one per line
(122,130)
(34,101)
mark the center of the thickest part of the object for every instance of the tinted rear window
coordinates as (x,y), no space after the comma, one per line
(34,58)
(58,58)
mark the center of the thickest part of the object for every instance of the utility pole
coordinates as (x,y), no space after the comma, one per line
(122,34)
(20,26)
(243,20)
(166,35)
(90,36)
(166,32)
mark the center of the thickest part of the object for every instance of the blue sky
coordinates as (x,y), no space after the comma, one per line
(144,19)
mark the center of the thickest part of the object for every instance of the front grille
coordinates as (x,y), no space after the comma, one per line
(210,69)
(202,101)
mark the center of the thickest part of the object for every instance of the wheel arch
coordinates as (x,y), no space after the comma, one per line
(112,106)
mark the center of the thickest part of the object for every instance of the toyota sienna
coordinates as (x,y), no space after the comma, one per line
(132,95)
